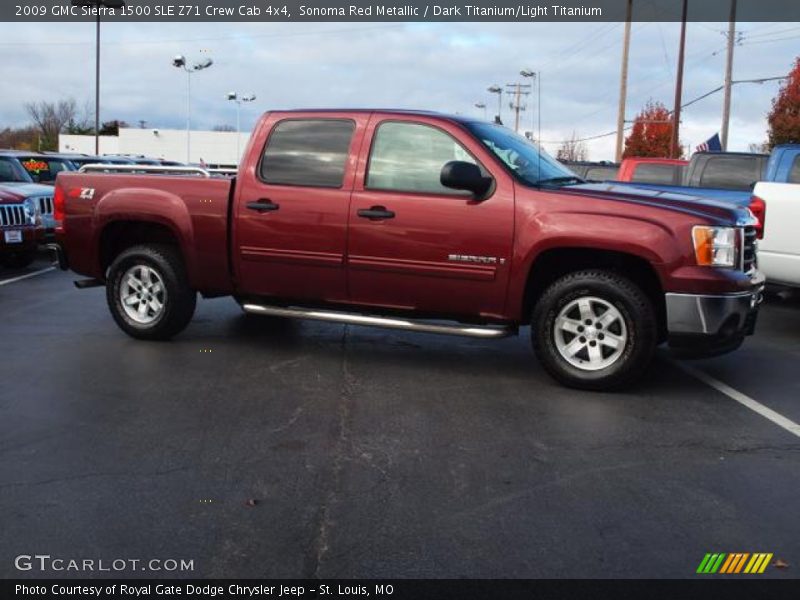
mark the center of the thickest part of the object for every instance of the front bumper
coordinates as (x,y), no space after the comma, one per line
(708,325)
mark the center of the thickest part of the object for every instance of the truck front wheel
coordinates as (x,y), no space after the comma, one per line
(148,292)
(594,330)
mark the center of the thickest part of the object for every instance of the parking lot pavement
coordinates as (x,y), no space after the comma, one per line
(378,454)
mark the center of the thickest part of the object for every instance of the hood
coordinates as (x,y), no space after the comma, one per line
(718,210)
(8,197)
(26,190)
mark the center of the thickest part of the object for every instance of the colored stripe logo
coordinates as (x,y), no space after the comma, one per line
(734,563)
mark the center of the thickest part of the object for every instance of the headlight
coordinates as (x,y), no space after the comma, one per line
(31,207)
(714,246)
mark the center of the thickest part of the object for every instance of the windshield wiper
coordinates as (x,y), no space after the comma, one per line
(559,181)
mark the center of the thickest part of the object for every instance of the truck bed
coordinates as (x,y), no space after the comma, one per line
(198,205)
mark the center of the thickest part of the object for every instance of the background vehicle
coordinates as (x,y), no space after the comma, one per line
(397,218)
(20,230)
(593,171)
(727,176)
(779,256)
(665,171)
(42,168)
(86,159)
(16,178)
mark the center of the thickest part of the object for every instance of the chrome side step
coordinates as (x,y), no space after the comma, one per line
(388,323)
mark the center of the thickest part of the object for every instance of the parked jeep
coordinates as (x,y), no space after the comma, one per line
(20,229)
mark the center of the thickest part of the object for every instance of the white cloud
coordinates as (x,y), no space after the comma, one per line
(434,66)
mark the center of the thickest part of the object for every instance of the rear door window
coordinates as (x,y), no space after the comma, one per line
(307,152)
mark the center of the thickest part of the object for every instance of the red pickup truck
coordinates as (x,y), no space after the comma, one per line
(666,171)
(419,221)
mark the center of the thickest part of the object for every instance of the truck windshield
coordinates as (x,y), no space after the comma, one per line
(530,164)
(12,170)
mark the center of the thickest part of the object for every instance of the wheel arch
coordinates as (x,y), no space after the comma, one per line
(554,263)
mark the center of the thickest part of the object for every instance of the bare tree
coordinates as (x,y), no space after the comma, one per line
(50,118)
(758,148)
(572,149)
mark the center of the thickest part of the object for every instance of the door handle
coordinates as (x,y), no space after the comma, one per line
(263,205)
(376,213)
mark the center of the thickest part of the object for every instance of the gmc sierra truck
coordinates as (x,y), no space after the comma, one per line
(419,221)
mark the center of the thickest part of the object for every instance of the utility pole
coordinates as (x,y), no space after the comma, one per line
(516,105)
(726,103)
(623,84)
(675,151)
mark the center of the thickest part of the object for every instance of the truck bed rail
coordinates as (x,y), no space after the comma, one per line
(100,167)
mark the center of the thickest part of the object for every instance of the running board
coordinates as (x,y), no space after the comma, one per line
(388,323)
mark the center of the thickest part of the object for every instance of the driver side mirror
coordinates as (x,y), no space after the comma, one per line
(461,175)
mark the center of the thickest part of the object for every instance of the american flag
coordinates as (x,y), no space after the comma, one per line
(712,144)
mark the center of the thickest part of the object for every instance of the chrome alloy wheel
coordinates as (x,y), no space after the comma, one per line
(142,294)
(590,333)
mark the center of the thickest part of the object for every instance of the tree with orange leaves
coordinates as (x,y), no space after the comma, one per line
(651,134)
(784,118)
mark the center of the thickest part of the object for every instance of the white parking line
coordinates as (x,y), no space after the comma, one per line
(27,275)
(743,399)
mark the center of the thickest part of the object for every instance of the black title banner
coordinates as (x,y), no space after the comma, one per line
(410,10)
(399,589)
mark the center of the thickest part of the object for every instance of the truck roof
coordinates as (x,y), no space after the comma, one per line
(383,111)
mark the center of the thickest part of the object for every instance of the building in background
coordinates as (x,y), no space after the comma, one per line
(210,147)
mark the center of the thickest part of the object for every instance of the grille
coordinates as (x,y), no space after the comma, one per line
(12,214)
(749,258)
(46,205)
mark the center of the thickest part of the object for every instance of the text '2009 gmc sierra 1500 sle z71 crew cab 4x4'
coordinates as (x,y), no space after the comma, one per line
(406,219)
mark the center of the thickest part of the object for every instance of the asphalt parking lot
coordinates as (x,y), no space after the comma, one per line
(371,453)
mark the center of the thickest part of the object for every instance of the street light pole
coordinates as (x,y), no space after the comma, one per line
(496,89)
(180,62)
(481,105)
(97,5)
(234,96)
(530,73)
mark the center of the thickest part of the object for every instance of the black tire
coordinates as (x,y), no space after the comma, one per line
(640,333)
(19,260)
(179,300)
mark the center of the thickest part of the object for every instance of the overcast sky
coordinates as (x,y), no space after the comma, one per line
(439,66)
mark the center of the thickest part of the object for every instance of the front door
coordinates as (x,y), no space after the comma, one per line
(291,208)
(415,244)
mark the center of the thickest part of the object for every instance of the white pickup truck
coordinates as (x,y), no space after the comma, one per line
(779,250)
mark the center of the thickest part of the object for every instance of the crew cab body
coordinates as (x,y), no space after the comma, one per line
(396,218)
(20,230)
(779,195)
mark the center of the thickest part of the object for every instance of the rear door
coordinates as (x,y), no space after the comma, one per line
(416,245)
(291,206)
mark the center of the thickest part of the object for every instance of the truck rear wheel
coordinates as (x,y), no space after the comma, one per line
(594,330)
(148,292)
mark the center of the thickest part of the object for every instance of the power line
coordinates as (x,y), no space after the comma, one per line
(693,101)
